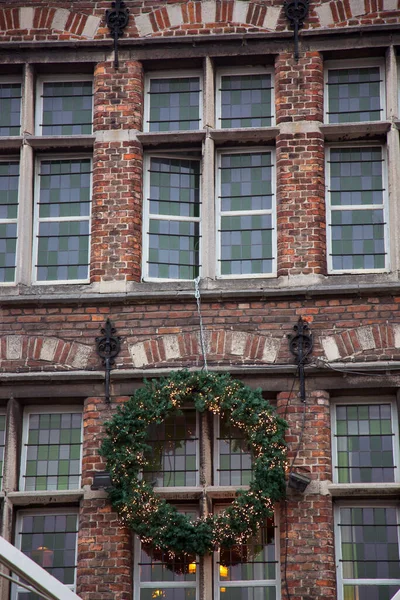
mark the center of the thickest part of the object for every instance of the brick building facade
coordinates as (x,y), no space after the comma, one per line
(210,151)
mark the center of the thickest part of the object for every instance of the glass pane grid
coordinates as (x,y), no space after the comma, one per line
(354,95)
(234,457)
(9,183)
(64,214)
(174,104)
(246,226)
(173,459)
(2,446)
(53,451)
(174,238)
(357,209)
(50,541)
(246,101)
(67,108)
(10,109)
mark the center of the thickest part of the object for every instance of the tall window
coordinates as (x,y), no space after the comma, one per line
(51,453)
(63,220)
(355,93)
(244,99)
(233,460)
(173,102)
(65,107)
(49,538)
(247,214)
(357,209)
(367,552)
(365,439)
(2,446)
(9,184)
(10,108)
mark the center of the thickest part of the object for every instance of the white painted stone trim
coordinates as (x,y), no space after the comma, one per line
(14,347)
(330,348)
(91,27)
(208,11)
(324,14)
(271,349)
(390,5)
(240,12)
(175,14)
(26,14)
(143,25)
(171,347)
(396,333)
(60,19)
(138,355)
(239,339)
(78,355)
(272,16)
(48,349)
(366,338)
(357,7)
(24,567)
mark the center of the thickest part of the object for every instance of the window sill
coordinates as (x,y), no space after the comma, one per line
(194,493)
(255,135)
(44,142)
(11,143)
(352,490)
(178,138)
(343,132)
(45,497)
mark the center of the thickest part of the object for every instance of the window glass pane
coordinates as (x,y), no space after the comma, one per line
(2,446)
(370,592)
(246,202)
(67,108)
(365,444)
(358,233)
(10,109)
(234,456)
(9,182)
(53,452)
(354,95)
(369,549)
(246,101)
(50,540)
(174,104)
(174,241)
(173,459)
(64,213)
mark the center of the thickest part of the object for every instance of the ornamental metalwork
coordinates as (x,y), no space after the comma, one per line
(296,11)
(301,345)
(117,19)
(108,346)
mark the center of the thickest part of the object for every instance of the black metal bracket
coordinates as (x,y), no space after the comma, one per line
(301,345)
(296,11)
(108,346)
(117,19)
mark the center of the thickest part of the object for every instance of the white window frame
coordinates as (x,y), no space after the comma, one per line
(335,65)
(40,410)
(276,583)
(338,544)
(137,551)
(261,70)
(15,588)
(216,455)
(179,155)
(171,75)
(351,400)
(3,413)
(39,99)
(384,206)
(36,220)
(218,212)
(16,159)
(15,79)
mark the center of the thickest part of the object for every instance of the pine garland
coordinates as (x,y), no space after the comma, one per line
(156,521)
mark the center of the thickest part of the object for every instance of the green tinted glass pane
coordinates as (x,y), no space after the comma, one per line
(354,95)
(246,101)
(174,104)
(67,108)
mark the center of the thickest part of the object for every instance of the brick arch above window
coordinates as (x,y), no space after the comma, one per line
(224,346)
(331,14)
(28,19)
(24,350)
(381,341)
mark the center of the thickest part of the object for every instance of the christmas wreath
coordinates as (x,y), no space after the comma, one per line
(159,523)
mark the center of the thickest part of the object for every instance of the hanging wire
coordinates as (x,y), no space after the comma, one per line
(202,333)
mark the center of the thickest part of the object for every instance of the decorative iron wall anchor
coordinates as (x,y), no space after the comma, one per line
(108,346)
(117,19)
(301,345)
(296,11)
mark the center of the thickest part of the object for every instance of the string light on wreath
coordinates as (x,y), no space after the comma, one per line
(159,523)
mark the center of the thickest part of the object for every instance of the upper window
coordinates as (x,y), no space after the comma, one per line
(10,107)
(244,99)
(357,207)
(355,93)
(173,102)
(367,550)
(233,460)
(51,452)
(2,446)
(65,107)
(50,539)
(364,442)
(9,184)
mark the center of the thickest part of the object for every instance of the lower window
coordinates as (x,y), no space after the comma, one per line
(50,540)
(367,547)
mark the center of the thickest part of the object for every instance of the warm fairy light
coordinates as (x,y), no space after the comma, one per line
(222,590)
(223,571)
(158,594)
(192,568)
